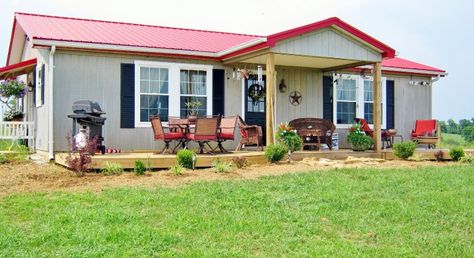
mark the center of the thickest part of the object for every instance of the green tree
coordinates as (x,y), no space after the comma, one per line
(468,133)
(452,127)
(444,126)
(463,123)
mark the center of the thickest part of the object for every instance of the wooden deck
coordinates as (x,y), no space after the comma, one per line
(157,161)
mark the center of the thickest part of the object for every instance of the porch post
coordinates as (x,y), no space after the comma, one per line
(377,114)
(269,97)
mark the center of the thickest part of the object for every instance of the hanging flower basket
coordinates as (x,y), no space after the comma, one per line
(13,88)
(13,115)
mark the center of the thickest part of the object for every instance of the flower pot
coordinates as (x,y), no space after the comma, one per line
(192,119)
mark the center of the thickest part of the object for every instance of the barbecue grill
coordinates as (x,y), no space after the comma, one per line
(88,114)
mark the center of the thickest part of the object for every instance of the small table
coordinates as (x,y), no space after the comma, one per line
(311,137)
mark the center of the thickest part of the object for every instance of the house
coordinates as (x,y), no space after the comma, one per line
(134,71)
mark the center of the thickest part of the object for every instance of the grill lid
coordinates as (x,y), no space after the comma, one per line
(87,107)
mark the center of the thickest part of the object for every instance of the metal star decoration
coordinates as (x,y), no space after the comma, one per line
(295,98)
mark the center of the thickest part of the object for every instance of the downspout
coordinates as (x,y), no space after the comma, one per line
(50,102)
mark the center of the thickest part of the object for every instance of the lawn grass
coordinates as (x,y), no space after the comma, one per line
(455,140)
(426,212)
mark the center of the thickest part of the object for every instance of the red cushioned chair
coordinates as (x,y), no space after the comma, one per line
(426,132)
(204,132)
(386,135)
(166,137)
(424,128)
(226,131)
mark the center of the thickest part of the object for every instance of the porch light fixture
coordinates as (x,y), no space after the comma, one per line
(282,87)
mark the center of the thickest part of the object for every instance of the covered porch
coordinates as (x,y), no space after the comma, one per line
(300,63)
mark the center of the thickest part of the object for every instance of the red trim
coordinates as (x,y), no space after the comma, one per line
(18,65)
(11,41)
(388,52)
(245,50)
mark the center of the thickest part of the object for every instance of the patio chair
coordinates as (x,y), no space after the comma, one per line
(226,131)
(166,137)
(250,135)
(386,135)
(205,131)
(426,132)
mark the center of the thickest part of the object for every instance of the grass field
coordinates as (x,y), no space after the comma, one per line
(426,212)
(455,140)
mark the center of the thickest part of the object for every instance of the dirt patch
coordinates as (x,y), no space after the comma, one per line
(31,177)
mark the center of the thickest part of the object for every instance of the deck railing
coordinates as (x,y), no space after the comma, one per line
(17,131)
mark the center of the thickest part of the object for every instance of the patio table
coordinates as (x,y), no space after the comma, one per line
(311,137)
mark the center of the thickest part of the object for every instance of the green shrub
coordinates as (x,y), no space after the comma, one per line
(468,158)
(404,150)
(288,136)
(139,168)
(177,169)
(3,159)
(220,166)
(185,158)
(468,133)
(240,162)
(111,169)
(275,152)
(456,153)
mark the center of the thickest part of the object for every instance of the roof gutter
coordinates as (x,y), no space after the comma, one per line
(51,102)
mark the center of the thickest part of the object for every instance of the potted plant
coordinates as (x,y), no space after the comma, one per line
(358,139)
(193,108)
(13,115)
(10,90)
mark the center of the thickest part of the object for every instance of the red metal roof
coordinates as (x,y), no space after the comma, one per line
(401,63)
(127,34)
(12,71)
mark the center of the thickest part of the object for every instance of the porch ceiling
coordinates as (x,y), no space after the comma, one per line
(323,63)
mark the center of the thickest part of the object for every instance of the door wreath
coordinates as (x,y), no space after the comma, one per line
(256,92)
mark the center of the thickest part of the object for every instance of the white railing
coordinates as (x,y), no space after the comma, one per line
(17,130)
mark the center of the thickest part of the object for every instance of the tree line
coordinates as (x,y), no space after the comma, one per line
(465,127)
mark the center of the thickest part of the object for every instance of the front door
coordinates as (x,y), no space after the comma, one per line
(255,108)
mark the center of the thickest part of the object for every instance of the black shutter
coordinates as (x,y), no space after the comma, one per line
(390,91)
(127,96)
(327,98)
(218,90)
(43,71)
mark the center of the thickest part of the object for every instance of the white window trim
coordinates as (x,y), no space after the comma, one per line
(38,86)
(359,99)
(174,92)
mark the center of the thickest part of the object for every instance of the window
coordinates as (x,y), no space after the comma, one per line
(346,99)
(163,89)
(193,98)
(355,98)
(154,93)
(369,101)
(39,85)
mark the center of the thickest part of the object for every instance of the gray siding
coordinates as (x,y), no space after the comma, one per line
(327,43)
(96,77)
(306,81)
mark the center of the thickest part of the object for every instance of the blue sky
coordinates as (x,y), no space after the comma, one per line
(436,33)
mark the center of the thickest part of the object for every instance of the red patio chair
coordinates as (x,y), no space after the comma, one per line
(250,135)
(426,132)
(204,132)
(226,131)
(386,135)
(166,137)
